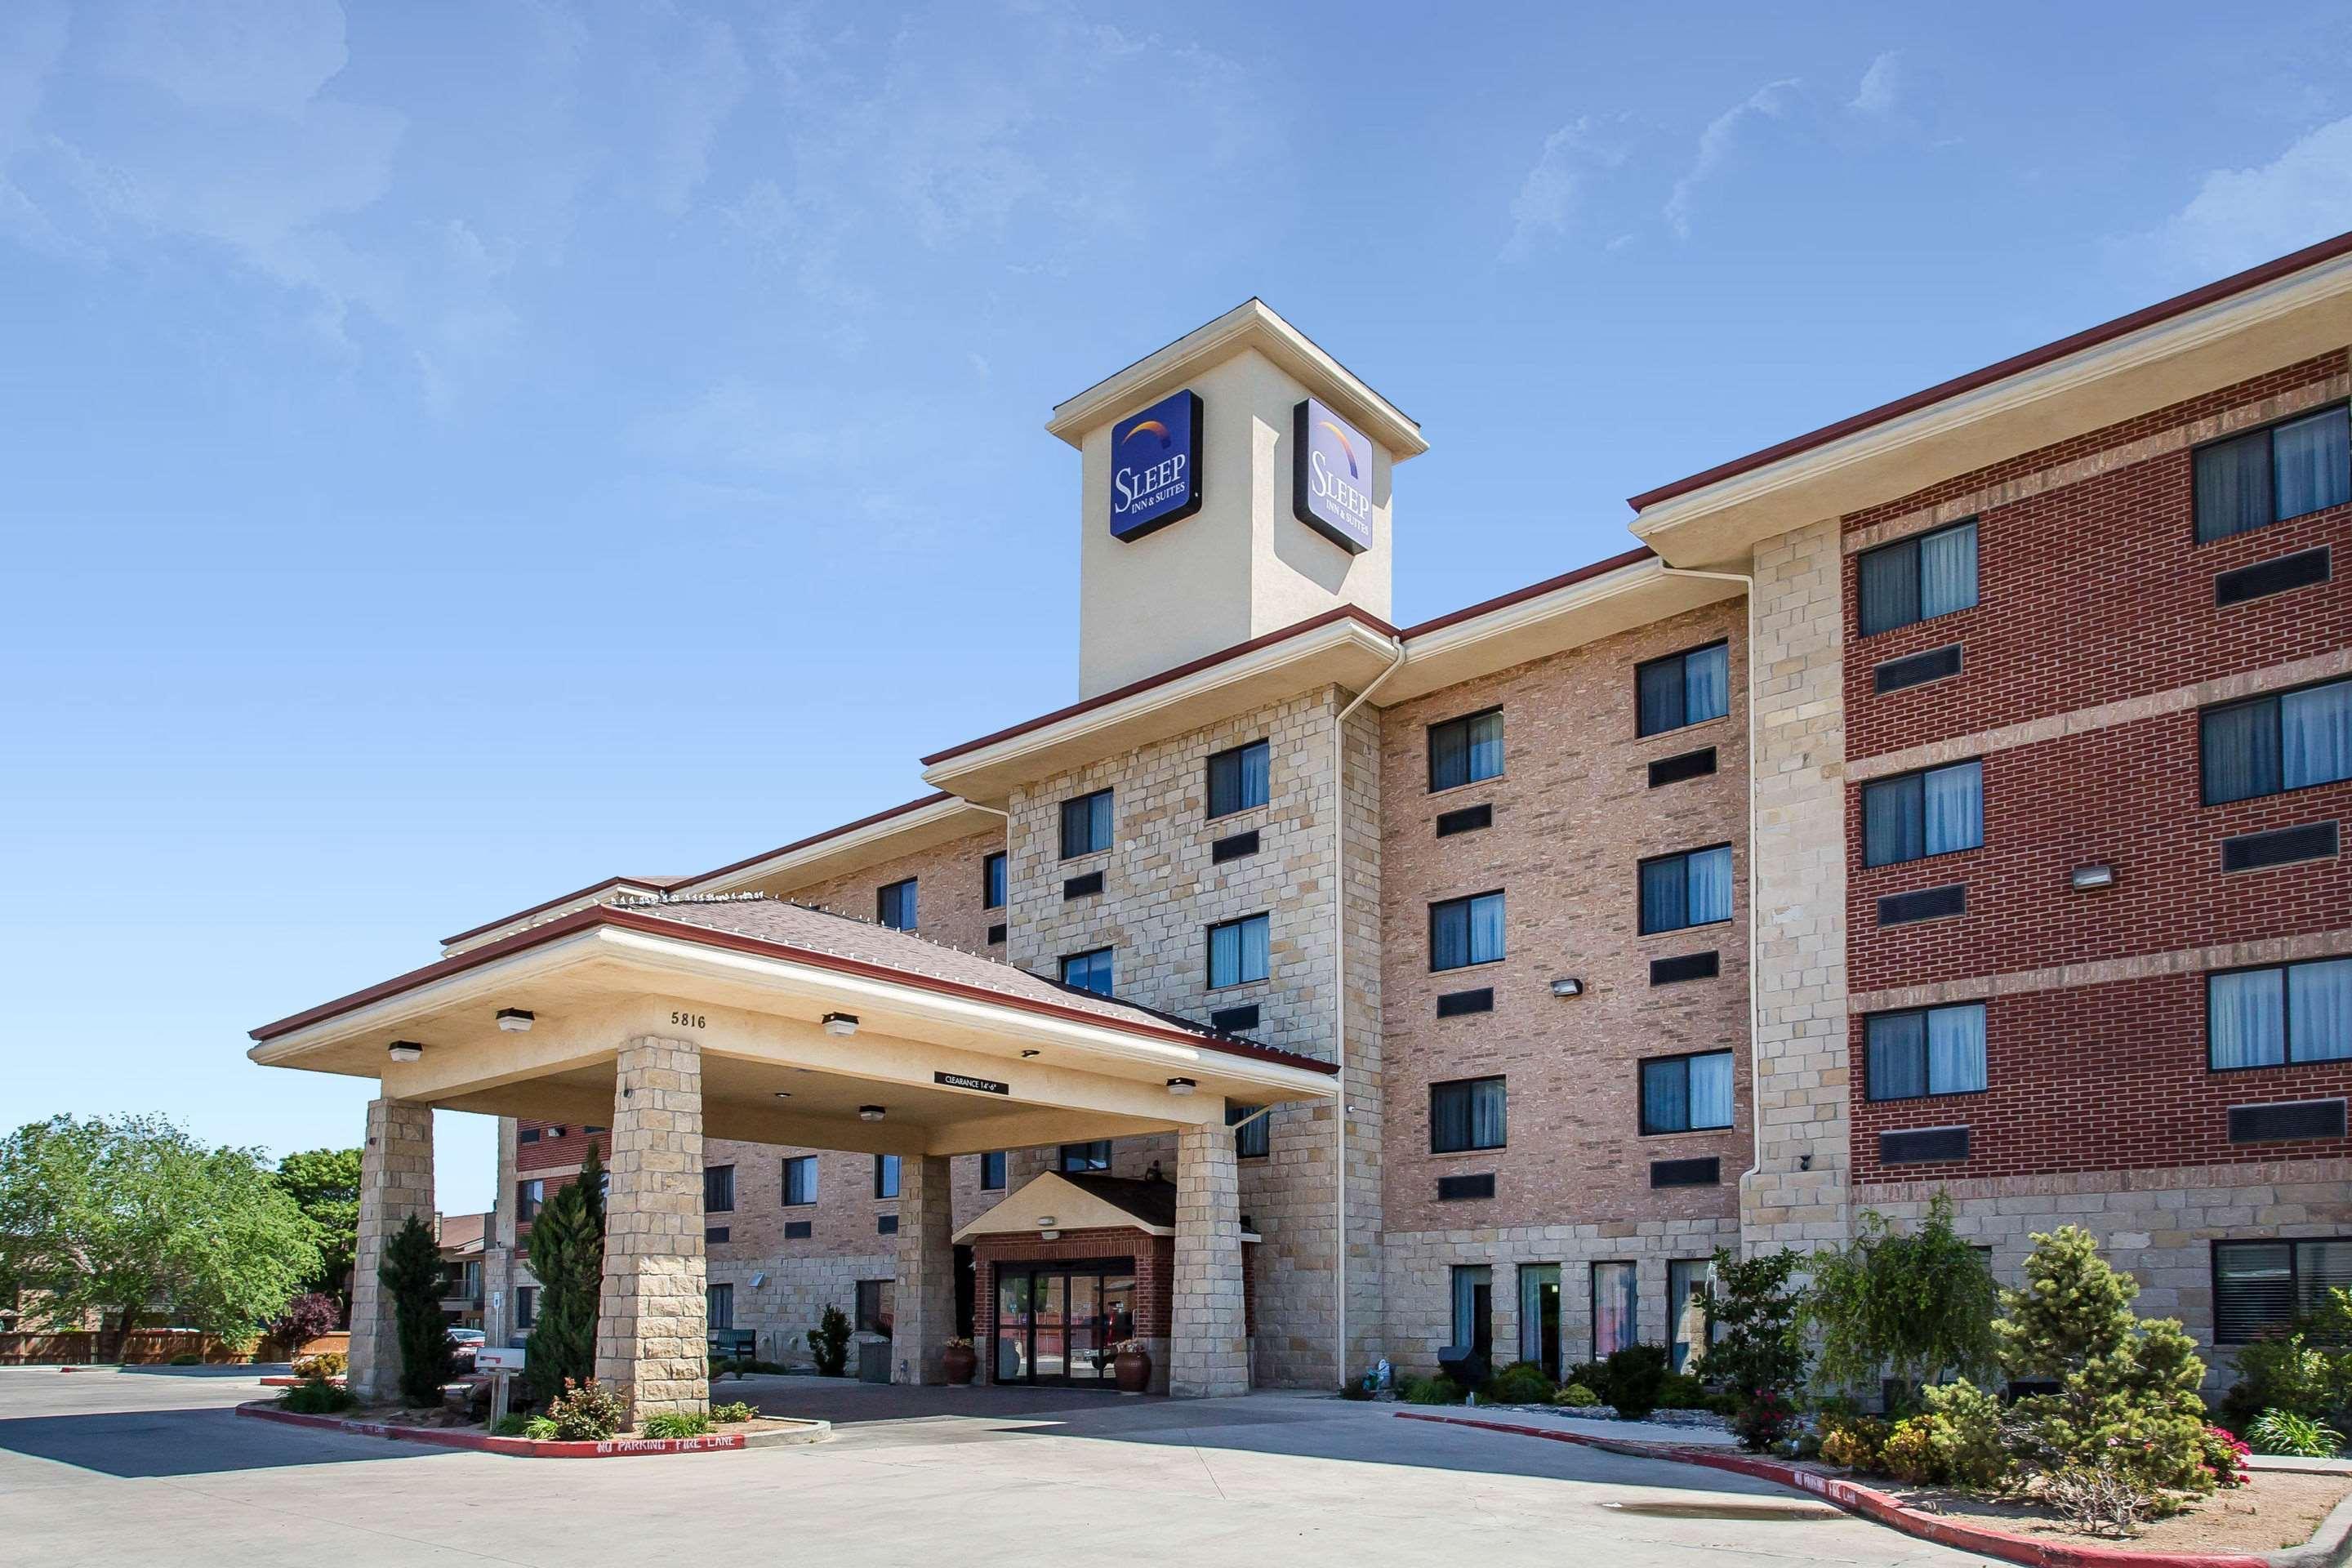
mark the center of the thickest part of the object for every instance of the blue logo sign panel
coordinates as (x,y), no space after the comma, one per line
(1331,477)
(1155,467)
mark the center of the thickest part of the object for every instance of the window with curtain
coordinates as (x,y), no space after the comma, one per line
(1616,1303)
(894,906)
(885,1176)
(877,1306)
(1085,824)
(1686,1094)
(1466,1115)
(529,1196)
(1691,888)
(1926,1050)
(1935,812)
(718,1306)
(1690,1328)
(1540,1316)
(1464,932)
(1239,779)
(1473,1307)
(800,1180)
(991,881)
(718,1189)
(1252,1138)
(2289,740)
(1240,951)
(1088,971)
(1080,1158)
(2263,1288)
(2285,1014)
(992,1172)
(2262,476)
(1917,579)
(1465,750)
(1683,689)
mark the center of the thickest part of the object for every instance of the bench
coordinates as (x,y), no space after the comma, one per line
(733,1345)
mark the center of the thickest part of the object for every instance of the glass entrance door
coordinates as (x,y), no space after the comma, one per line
(1062,1322)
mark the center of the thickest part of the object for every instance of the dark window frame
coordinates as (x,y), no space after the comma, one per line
(1641,911)
(719,1180)
(1463,904)
(1235,754)
(1466,1085)
(1463,721)
(996,880)
(1919,776)
(2294,1271)
(1641,730)
(2286,1016)
(1062,968)
(873,1319)
(1642,1091)
(2277,700)
(784,1181)
(1061,1158)
(528,1202)
(1916,544)
(2269,432)
(1870,1080)
(1253,1133)
(998,1185)
(1111,826)
(894,902)
(888,1176)
(1209,952)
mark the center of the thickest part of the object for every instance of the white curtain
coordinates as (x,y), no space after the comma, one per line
(1706,684)
(1947,570)
(2316,735)
(1710,885)
(1956,1049)
(2312,463)
(2246,1018)
(1615,1300)
(1710,1090)
(2319,1002)
(1487,928)
(1898,1055)
(1954,803)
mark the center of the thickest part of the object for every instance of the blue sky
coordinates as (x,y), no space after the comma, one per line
(451,453)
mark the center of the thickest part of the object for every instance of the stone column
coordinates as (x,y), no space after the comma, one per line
(651,1341)
(1209,1352)
(925,1300)
(395,1182)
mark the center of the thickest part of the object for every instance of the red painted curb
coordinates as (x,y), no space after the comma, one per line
(517,1448)
(1874,1505)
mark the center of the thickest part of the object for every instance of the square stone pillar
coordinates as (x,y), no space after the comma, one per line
(925,1298)
(652,1346)
(1209,1353)
(395,1182)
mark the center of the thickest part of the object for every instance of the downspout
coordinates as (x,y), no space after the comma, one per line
(1339,990)
(1755,1002)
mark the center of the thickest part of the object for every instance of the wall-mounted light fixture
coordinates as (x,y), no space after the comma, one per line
(1568,986)
(1180,1085)
(1045,1231)
(784,1094)
(841,1023)
(869,1113)
(2085,877)
(514,1020)
(406,1051)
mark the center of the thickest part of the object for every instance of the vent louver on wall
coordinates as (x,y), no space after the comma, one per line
(1689,765)
(712,1233)
(799,1229)
(886,1224)
(1927,1146)
(1689,966)
(995,935)
(1917,669)
(2284,847)
(1927,904)
(1453,1003)
(2286,1119)
(2264,578)
(1082,886)
(1468,819)
(1233,847)
(1685,1172)
(1453,1189)
(1235,1020)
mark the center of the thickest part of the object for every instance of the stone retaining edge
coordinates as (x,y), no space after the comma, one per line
(2328,1547)
(526,1449)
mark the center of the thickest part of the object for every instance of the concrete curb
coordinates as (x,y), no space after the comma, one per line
(2327,1547)
(525,1448)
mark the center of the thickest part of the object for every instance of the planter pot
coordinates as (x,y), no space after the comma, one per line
(963,1361)
(1133,1370)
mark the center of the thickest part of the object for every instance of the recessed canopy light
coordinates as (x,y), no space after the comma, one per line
(406,1051)
(514,1020)
(784,1094)
(841,1023)
(869,1113)
(1180,1085)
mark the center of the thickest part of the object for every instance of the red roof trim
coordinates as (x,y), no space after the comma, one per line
(737,941)
(1533,590)
(883,815)
(1296,628)
(2033,359)
(659,884)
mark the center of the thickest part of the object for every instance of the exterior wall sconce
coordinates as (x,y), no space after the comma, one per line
(2085,877)
(869,1113)
(1045,1231)
(841,1023)
(1180,1085)
(406,1051)
(514,1020)
(1568,986)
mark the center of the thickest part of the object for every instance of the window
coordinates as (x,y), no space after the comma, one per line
(2267,476)
(1923,814)
(1085,824)
(1690,1328)
(1693,889)
(885,1176)
(526,1135)
(1239,951)
(1253,1137)
(1238,778)
(718,1189)
(718,1306)
(1925,1051)
(1540,1316)
(1464,750)
(1088,971)
(1080,1158)
(1683,689)
(1686,1094)
(992,1172)
(876,1306)
(2266,1287)
(2268,1017)
(529,1196)
(1473,1308)
(526,1305)
(991,881)
(800,1180)
(1616,1300)
(894,906)
(1466,1115)
(1464,932)
(1917,579)
(2291,739)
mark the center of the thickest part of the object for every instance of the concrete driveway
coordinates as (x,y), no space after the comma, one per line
(150,1466)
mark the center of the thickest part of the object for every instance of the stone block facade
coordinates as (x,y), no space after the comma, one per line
(926,1294)
(1209,1354)
(650,1338)
(395,1184)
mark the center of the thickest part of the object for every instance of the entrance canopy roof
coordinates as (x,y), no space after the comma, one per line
(959,1053)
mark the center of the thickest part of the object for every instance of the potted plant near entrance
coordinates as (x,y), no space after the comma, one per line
(963,1361)
(1131,1365)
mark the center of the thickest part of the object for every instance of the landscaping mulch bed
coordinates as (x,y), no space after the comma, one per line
(2278,1508)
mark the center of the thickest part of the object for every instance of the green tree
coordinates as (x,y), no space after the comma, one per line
(567,1253)
(325,1185)
(2126,1395)
(1760,1357)
(411,1272)
(1914,1306)
(132,1218)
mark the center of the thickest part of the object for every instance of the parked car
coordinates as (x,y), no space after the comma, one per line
(463,1343)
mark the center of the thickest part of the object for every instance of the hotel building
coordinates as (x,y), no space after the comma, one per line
(1945,801)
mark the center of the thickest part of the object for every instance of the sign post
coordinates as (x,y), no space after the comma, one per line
(500,1364)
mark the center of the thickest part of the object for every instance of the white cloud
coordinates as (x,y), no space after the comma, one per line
(269,55)
(1881,86)
(686,98)
(1770,102)
(1555,188)
(2242,217)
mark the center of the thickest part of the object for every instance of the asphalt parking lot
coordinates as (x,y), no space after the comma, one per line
(150,1466)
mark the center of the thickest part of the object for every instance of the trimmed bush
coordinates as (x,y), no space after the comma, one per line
(1521,1383)
(1577,1394)
(1636,1372)
(514,1423)
(1761,1359)
(730,1414)
(1591,1375)
(584,1412)
(2286,1373)
(1967,1434)
(1681,1391)
(677,1423)
(1431,1390)
(326,1364)
(1854,1441)
(1909,1454)
(317,1396)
